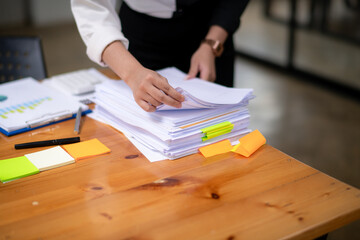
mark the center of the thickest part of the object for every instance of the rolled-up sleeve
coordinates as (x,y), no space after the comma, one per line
(227,14)
(98,24)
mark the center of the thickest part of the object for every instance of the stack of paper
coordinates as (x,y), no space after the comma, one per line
(210,113)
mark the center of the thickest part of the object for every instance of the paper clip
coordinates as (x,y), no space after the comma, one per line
(49,118)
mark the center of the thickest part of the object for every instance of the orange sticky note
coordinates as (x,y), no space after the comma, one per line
(216,148)
(86,149)
(249,143)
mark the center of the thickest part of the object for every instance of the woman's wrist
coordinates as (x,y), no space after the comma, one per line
(206,48)
(217,33)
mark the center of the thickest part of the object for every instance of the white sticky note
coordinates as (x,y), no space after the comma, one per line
(50,158)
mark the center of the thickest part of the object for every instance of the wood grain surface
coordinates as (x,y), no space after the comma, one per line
(121,195)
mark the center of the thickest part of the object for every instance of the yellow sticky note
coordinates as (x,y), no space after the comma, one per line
(216,148)
(86,149)
(249,143)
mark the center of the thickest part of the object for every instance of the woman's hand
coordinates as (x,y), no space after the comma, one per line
(203,62)
(150,90)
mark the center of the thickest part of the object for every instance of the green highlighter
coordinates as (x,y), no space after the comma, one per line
(14,168)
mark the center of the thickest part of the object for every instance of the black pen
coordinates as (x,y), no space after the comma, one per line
(47,143)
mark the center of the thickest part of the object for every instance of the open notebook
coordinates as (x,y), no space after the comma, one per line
(29,105)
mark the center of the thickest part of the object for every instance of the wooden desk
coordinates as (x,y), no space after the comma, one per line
(123,196)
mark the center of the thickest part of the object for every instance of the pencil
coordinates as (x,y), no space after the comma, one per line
(77,121)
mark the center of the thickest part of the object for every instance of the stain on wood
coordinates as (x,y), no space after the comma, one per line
(267,204)
(109,217)
(215,196)
(288,204)
(94,190)
(132,156)
(326,194)
(91,187)
(161,183)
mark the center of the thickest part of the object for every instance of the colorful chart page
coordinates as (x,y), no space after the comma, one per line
(29,104)
(50,158)
(86,149)
(14,168)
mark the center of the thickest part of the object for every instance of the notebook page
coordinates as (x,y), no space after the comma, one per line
(29,102)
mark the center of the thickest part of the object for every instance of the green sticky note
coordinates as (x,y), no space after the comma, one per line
(217,130)
(14,168)
(216,127)
(215,134)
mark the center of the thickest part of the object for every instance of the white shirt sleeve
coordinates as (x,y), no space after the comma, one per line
(98,24)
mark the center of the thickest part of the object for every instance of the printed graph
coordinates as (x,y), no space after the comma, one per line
(22,107)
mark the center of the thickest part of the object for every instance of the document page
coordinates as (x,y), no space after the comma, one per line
(30,103)
(203,94)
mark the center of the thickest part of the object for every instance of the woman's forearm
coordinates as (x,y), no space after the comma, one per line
(120,60)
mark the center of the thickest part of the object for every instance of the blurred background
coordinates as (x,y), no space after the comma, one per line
(302,58)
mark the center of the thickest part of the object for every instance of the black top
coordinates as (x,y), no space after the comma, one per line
(226,13)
